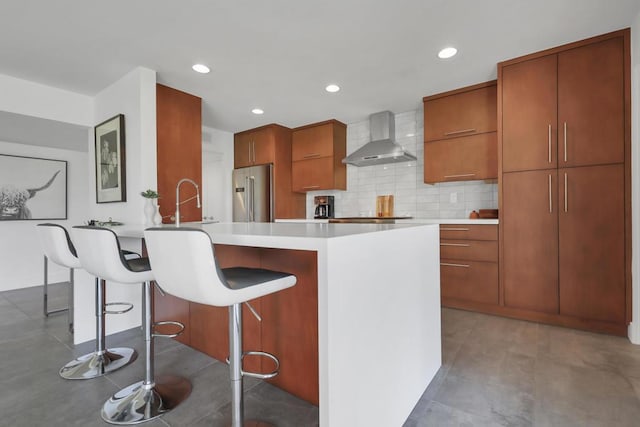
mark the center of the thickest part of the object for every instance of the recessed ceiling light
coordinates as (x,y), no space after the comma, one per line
(332,88)
(257,111)
(201,68)
(447,52)
(409,135)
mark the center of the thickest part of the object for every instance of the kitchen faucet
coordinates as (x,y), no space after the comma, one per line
(178,203)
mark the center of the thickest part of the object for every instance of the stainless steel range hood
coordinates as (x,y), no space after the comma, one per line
(382,148)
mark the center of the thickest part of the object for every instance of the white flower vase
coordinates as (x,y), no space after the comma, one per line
(149,212)
(157,218)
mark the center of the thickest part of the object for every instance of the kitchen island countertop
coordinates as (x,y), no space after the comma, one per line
(378,310)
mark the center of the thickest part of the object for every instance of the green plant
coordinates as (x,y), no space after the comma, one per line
(150,194)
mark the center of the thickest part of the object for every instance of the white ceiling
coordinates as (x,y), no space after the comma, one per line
(280,54)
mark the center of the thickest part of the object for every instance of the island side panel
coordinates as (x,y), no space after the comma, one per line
(290,323)
(289,328)
(379,324)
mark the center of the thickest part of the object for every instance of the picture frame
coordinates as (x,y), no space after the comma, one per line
(110,161)
(32,188)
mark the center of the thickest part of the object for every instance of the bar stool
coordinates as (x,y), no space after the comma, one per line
(58,247)
(65,257)
(184,265)
(145,400)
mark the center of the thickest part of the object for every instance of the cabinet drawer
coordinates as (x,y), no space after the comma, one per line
(472,250)
(469,280)
(468,232)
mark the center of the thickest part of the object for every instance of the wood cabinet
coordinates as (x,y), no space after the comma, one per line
(460,134)
(289,326)
(179,149)
(461,159)
(591,244)
(565,184)
(465,111)
(529,229)
(271,144)
(468,264)
(317,153)
(564,109)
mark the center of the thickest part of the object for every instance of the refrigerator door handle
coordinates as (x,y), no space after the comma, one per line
(246,197)
(252,197)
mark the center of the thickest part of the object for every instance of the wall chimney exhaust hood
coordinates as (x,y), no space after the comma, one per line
(382,148)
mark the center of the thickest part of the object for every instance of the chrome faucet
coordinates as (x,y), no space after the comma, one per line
(178,203)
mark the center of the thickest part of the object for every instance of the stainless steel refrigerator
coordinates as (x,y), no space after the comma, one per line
(253,194)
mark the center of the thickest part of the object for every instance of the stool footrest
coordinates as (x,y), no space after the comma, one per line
(169,322)
(128,308)
(261,376)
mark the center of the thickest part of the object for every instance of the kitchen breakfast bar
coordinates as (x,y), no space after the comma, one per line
(359,334)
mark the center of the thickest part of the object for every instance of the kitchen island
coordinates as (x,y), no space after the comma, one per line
(376,291)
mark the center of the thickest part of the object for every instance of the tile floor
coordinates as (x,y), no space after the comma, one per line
(495,372)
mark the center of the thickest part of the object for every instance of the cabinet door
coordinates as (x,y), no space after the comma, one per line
(312,142)
(591,104)
(530,240)
(312,175)
(242,150)
(592,243)
(263,147)
(529,115)
(459,114)
(461,159)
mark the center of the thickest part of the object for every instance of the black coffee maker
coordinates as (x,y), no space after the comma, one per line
(324,207)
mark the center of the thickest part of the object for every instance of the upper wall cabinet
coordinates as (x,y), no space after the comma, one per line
(317,151)
(271,144)
(460,141)
(564,109)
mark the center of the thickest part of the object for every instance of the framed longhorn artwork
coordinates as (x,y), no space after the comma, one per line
(110,161)
(32,188)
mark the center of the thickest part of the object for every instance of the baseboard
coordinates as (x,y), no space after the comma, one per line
(633,332)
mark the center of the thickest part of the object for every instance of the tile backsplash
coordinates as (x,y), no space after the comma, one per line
(405,181)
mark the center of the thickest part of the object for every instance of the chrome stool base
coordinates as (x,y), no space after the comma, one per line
(139,403)
(96,364)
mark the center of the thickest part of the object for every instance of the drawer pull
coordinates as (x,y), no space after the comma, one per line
(310,156)
(447,264)
(454,229)
(459,175)
(458,132)
(464,245)
(310,187)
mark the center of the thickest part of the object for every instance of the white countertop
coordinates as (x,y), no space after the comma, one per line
(287,235)
(405,221)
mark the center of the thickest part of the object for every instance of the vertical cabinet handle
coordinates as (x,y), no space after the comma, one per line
(249,147)
(549,143)
(550,201)
(565,141)
(566,203)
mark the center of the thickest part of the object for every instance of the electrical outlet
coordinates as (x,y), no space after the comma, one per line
(453,198)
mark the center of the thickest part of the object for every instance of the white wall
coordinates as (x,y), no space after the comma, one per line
(634,327)
(134,95)
(217,167)
(405,181)
(37,100)
(21,258)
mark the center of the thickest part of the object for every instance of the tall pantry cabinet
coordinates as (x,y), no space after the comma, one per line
(564,142)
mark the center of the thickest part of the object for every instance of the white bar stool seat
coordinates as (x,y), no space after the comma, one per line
(185,266)
(58,247)
(100,254)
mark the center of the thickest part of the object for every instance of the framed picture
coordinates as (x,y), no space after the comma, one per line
(110,161)
(32,188)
